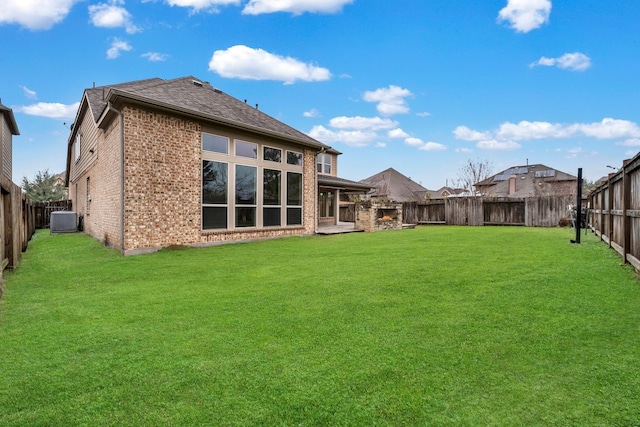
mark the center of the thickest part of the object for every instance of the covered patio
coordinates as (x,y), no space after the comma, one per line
(334,192)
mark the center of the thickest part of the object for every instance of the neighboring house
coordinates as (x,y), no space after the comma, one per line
(8,128)
(154,163)
(528,181)
(394,186)
(447,192)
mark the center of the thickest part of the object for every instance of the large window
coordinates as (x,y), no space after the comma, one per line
(271,198)
(294,198)
(250,185)
(324,163)
(246,185)
(214,195)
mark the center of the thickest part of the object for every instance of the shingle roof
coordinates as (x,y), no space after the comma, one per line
(395,186)
(191,96)
(530,179)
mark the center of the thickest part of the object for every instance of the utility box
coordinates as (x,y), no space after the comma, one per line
(63,222)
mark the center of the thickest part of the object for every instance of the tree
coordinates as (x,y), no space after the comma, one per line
(44,188)
(473,172)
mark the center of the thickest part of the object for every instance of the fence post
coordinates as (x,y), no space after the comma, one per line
(626,204)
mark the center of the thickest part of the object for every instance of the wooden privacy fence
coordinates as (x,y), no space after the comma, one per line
(17,222)
(615,211)
(43,211)
(545,211)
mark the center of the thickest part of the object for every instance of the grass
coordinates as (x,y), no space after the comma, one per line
(432,326)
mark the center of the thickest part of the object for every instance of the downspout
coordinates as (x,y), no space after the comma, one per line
(121,120)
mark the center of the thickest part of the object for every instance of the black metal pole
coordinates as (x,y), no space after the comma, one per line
(579,206)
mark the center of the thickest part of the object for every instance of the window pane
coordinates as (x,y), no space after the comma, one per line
(272,186)
(294,188)
(327,169)
(214,217)
(272,154)
(247,149)
(214,183)
(271,217)
(245,217)
(294,216)
(294,158)
(246,179)
(215,143)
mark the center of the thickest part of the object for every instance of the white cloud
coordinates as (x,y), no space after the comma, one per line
(354,138)
(112,15)
(569,61)
(525,15)
(203,5)
(466,134)
(390,100)
(433,146)
(155,56)
(246,63)
(116,47)
(492,144)
(380,144)
(369,123)
(296,7)
(505,137)
(29,93)
(424,146)
(533,130)
(609,128)
(35,15)
(423,114)
(51,110)
(312,113)
(397,134)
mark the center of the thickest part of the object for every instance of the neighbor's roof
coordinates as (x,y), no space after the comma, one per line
(11,120)
(395,186)
(537,171)
(531,179)
(193,97)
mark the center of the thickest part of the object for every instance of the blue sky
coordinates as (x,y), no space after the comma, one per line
(420,86)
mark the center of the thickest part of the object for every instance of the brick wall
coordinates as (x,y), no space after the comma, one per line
(163,170)
(162,184)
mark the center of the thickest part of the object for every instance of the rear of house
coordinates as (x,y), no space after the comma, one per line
(156,162)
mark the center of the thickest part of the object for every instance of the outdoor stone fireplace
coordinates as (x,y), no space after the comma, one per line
(375,216)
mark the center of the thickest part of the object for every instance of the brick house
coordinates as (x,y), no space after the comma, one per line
(154,163)
(528,181)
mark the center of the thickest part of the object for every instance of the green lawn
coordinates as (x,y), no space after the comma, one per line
(460,326)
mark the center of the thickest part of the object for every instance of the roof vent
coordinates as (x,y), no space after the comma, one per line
(197,83)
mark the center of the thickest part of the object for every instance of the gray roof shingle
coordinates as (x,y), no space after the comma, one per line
(191,96)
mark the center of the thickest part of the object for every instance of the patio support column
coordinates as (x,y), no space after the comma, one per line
(336,206)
